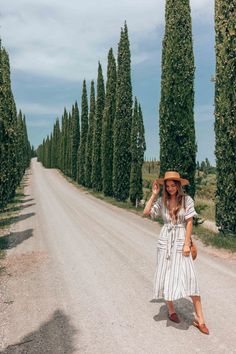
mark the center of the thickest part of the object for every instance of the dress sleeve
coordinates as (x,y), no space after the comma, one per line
(189,208)
(156,209)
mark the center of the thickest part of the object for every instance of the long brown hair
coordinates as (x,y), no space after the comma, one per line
(180,198)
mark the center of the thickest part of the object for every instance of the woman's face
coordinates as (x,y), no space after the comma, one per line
(171,187)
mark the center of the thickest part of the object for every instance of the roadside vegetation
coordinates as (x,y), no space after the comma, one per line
(7,218)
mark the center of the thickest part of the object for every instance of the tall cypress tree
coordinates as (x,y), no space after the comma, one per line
(56,145)
(107,130)
(69,145)
(75,140)
(27,147)
(63,141)
(97,138)
(225,115)
(89,142)
(123,120)
(9,174)
(177,131)
(138,147)
(83,136)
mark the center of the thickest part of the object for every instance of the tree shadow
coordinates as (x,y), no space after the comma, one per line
(14,219)
(18,208)
(55,336)
(184,308)
(25,200)
(15,238)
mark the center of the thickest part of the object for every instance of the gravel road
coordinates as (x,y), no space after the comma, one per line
(79,276)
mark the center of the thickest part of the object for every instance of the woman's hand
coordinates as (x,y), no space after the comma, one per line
(186,250)
(155,188)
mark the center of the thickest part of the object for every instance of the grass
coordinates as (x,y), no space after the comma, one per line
(206,208)
(218,240)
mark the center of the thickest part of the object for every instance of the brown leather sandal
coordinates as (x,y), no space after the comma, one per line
(202,327)
(174,317)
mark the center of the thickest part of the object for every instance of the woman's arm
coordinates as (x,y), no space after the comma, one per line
(155,192)
(148,205)
(188,233)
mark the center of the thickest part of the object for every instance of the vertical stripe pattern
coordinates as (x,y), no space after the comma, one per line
(175,276)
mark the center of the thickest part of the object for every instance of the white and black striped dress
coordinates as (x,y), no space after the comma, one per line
(175,275)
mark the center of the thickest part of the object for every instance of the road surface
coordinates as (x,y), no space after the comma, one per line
(79,276)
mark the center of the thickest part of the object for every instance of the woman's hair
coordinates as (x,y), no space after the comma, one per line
(180,198)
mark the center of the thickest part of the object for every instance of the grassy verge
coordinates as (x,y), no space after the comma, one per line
(217,240)
(7,217)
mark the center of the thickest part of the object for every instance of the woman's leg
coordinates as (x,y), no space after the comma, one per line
(198,308)
(170,307)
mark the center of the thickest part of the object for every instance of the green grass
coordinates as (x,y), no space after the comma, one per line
(217,240)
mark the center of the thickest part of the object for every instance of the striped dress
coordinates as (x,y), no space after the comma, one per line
(175,276)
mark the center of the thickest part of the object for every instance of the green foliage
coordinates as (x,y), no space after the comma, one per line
(89,142)
(123,120)
(83,136)
(225,108)
(107,130)
(15,150)
(75,140)
(177,131)
(138,147)
(220,240)
(97,137)
(56,140)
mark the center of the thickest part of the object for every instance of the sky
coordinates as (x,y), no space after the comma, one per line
(55,44)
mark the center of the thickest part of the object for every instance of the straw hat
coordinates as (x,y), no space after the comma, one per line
(174,176)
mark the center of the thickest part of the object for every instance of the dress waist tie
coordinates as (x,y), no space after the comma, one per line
(171,237)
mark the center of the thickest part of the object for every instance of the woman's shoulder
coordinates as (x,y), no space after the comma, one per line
(188,199)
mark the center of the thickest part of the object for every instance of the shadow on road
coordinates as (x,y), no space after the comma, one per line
(184,309)
(15,238)
(55,336)
(18,208)
(14,219)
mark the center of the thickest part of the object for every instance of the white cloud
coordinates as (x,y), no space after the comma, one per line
(40,109)
(65,39)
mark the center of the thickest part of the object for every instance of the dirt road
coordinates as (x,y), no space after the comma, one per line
(79,280)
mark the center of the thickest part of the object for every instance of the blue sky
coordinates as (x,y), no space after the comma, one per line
(54,44)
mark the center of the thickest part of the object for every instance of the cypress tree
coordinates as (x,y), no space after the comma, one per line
(75,140)
(107,130)
(83,136)
(97,138)
(63,141)
(89,142)
(20,144)
(225,113)
(8,142)
(123,120)
(26,146)
(138,147)
(56,145)
(177,131)
(142,145)
(69,144)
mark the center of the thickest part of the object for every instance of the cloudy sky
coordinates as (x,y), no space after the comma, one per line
(55,44)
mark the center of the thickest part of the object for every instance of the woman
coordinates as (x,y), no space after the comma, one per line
(175,275)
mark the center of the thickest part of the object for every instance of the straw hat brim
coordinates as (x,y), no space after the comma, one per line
(183,181)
